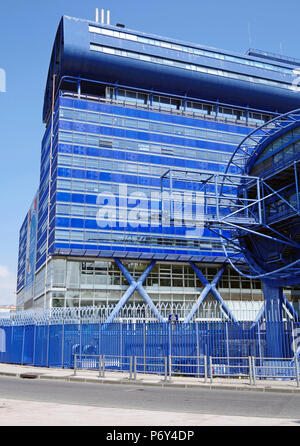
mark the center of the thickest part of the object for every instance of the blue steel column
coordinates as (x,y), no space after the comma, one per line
(261,312)
(297,187)
(273,296)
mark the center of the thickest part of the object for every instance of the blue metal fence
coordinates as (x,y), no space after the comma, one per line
(55,344)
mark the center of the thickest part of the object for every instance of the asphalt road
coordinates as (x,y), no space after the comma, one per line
(217,402)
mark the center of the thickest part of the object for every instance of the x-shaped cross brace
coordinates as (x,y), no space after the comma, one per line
(134,285)
(209,288)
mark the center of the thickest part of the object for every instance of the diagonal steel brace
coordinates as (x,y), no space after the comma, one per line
(261,313)
(133,286)
(209,287)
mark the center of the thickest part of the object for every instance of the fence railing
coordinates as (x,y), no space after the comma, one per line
(55,345)
(275,368)
(201,368)
(191,366)
(226,367)
(161,108)
(150,365)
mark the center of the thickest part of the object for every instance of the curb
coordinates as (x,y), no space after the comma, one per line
(161,384)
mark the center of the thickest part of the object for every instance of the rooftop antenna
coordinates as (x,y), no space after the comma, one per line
(281,49)
(102,16)
(97,15)
(249,35)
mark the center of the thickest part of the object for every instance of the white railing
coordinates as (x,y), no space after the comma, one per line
(163,109)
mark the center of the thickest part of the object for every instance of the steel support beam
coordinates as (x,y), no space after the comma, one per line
(297,186)
(273,295)
(259,317)
(285,303)
(134,286)
(288,307)
(209,288)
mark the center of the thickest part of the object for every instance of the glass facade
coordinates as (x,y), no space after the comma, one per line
(284,150)
(186,66)
(82,282)
(100,147)
(189,49)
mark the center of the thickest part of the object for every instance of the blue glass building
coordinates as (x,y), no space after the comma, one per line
(121,108)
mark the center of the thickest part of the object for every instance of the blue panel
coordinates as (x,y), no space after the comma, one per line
(17,344)
(55,353)
(71,344)
(28,344)
(155,116)
(41,345)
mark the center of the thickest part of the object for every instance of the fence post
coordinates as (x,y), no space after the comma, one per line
(34,341)
(170,367)
(297,369)
(80,336)
(11,342)
(134,368)
(75,364)
(227,350)
(130,367)
(211,369)
(103,366)
(62,344)
(23,341)
(99,366)
(198,350)
(121,339)
(170,339)
(250,370)
(48,343)
(144,344)
(253,370)
(166,368)
(205,369)
(295,356)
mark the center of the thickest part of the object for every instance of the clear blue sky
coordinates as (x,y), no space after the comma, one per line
(27,30)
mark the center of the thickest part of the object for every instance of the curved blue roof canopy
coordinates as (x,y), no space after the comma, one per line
(72,56)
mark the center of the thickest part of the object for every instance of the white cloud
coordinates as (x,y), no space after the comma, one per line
(7,286)
(4,272)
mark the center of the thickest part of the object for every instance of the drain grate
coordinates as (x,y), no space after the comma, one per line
(28,376)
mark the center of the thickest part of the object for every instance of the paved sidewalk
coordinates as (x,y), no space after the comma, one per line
(22,371)
(31,413)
